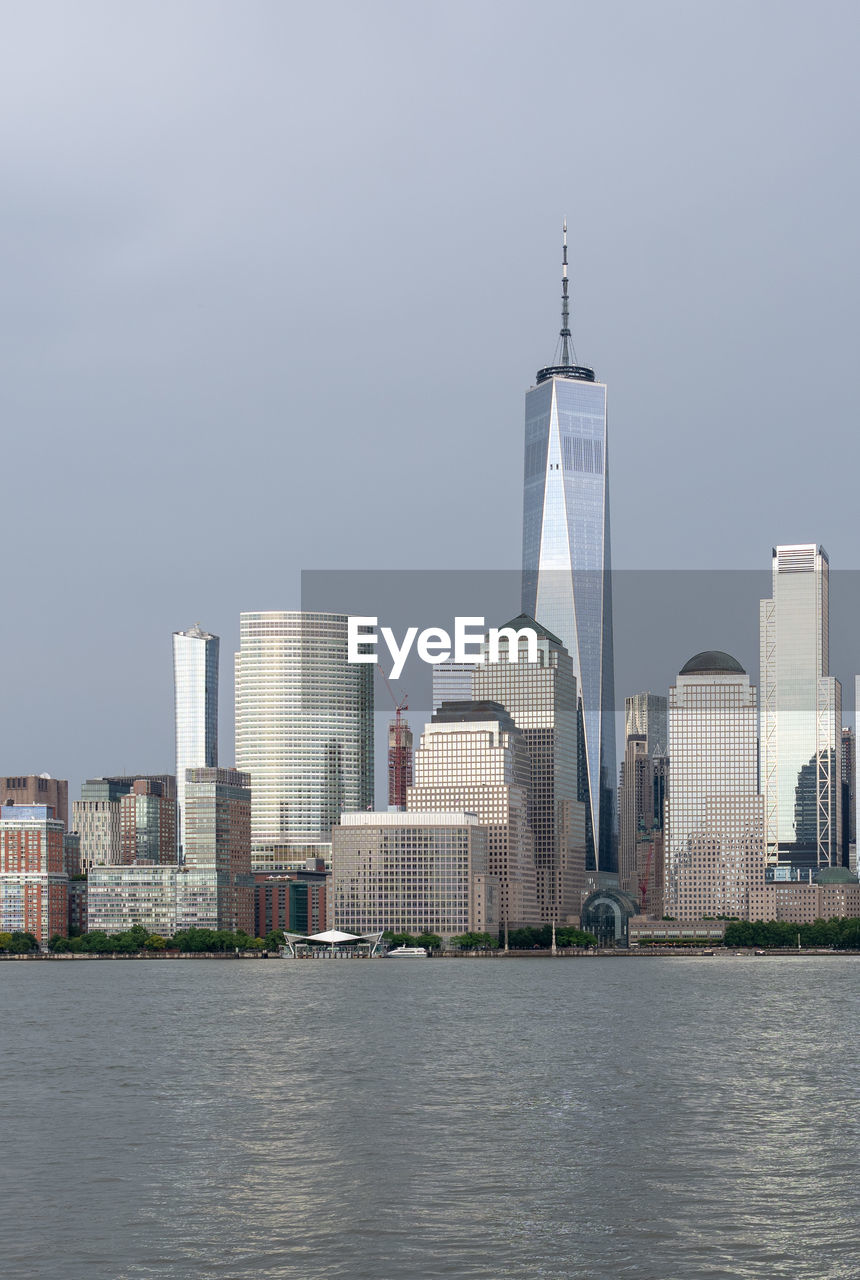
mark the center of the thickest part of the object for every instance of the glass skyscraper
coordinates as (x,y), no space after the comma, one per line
(566,563)
(801,715)
(195,685)
(304,730)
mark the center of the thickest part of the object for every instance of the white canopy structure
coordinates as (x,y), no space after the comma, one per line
(334,940)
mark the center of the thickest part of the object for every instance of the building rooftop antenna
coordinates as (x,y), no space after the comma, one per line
(566,343)
(566,367)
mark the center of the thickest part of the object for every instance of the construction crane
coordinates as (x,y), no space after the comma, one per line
(399,754)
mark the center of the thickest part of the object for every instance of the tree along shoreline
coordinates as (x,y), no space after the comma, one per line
(498,953)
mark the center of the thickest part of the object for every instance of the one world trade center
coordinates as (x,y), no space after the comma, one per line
(566,563)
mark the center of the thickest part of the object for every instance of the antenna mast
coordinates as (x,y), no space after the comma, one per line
(565,304)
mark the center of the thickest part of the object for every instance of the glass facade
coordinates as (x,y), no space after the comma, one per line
(801,717)
(566,571)
(304,727)
(195,684)
(452,682)
(714,845)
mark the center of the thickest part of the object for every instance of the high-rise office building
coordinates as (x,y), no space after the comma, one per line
(714,840)
(645,715)
(542,701)
(641,792)
(635,801)
(473,757)
(195,690)
(849,799)
(566,561)
(641,799)
(801,713)
(413,872)
(304,731)
(452,682)
(34,887)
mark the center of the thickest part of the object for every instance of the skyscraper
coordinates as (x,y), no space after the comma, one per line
(304,731)
(414,872)
(541,699)
(714,843)
(640,791)
(566,561)
(645,714)
(849,800)
(195,686)
(801,713)
(215,888)
(452,682)
(473,757)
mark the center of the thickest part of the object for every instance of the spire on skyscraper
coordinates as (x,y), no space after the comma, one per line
(566,342)
(565,359)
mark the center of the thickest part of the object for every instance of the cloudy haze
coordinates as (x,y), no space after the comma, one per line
(276,277)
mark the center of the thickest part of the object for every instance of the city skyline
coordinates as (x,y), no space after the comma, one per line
(277,282)
(122,325)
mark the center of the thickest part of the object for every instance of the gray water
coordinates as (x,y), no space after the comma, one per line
(647,1118)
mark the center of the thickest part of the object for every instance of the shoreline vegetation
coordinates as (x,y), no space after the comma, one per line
(608,953)
(824,937)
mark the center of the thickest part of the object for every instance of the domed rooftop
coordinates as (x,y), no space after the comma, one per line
(711,660)
(835,875)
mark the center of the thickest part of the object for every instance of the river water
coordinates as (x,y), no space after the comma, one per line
(663,1119)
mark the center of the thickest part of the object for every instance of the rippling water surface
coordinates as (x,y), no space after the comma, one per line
(657,1119)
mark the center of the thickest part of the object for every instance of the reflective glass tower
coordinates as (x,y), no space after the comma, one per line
(566,561)
(304,731)
(195,688)
(801,720)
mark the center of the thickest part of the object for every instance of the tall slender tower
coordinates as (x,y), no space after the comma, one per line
(195,687)
(801,715)
(566,561)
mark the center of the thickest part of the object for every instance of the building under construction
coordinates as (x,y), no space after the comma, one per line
(399,760)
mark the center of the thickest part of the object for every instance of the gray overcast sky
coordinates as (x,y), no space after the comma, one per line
(276,277)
